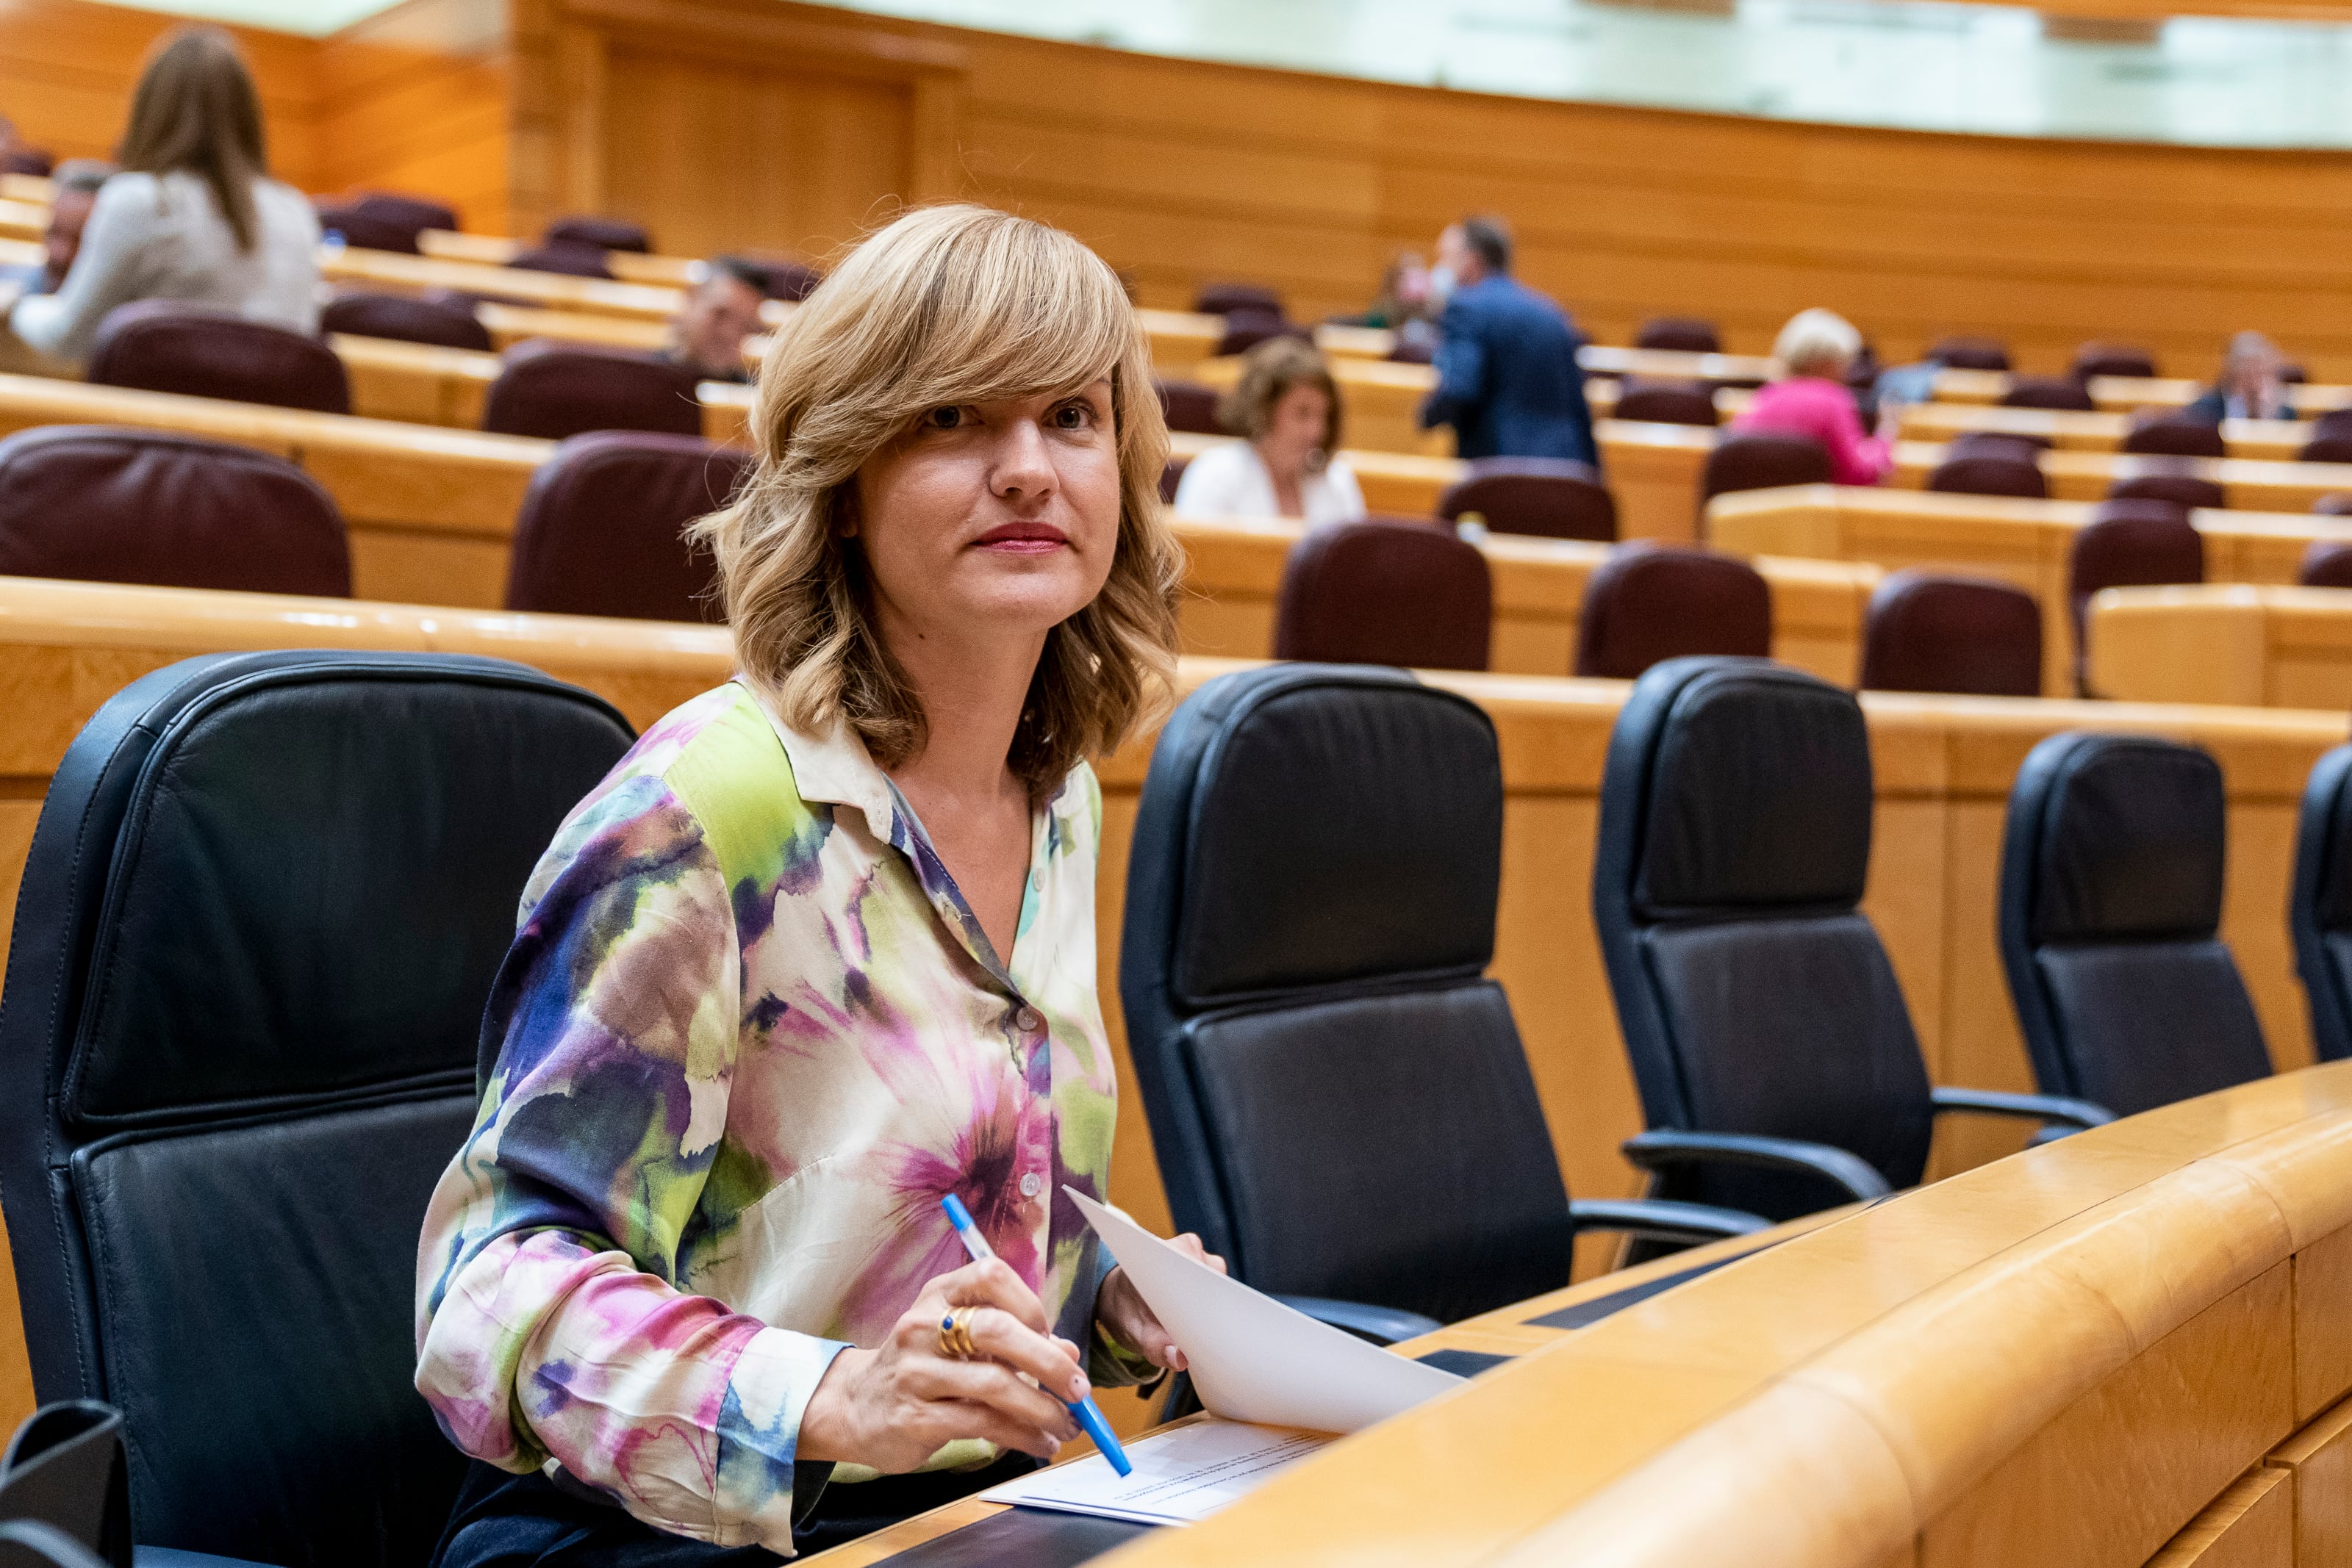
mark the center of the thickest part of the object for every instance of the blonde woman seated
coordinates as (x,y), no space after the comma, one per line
(1285,409)
(1816,349)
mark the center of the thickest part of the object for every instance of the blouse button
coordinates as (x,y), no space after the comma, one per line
(1027,1019)
(1030,1184)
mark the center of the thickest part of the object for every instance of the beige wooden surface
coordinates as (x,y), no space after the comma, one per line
(2127,394)
(2021,542)
(2224,642)
(2273,439)
(2252,1525)
(2318,1462)
(2074,475)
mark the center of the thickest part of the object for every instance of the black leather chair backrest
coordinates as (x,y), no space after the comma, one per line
(1753,994)
(1338,1095)
(2110,906)
(261,917)
(2320,907)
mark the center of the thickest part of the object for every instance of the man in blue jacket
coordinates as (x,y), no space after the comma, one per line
(1508,381)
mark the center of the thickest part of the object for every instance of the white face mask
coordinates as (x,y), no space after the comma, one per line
(1442,283)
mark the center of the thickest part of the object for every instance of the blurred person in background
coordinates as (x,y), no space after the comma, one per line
(1810,398)
(1285,408)
(193,216)
(1508,379)
(2250,385)
(75,191)
(707,336)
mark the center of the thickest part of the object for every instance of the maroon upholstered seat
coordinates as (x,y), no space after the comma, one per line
(1172,473)
(1927,633)
(1990,473)
(1245,329)
(1385,592)
(571,260)
(1223,299)
(30,160)
(445,322)
(1679,334)
(381,221)
(1961,352)
(105,505)
(1666,402)
(1188,406)
(2172,479)
(2048,391)
(1557,498)
(2327,564)
(2176,435)
(2125,544)
(2337,505)
(1649,602)
(790,280)
(599,529)
(157,345)
(1743,461)
(555,389)
(2007,443)
(597,233)
(2331,438)
(2099,359)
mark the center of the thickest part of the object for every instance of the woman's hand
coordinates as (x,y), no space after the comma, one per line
(1119,1308)
(896,1406)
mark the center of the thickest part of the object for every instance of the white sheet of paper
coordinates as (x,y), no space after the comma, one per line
(1253,1359)
(1181,1475)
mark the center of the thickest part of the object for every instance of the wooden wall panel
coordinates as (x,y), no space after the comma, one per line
(418,98)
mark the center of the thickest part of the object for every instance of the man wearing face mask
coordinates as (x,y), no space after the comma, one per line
(1508,379)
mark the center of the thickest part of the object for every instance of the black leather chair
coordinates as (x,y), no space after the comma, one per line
(262,911)
(1336,1093)
(1777,1064)
(2110,910)
(2319,908)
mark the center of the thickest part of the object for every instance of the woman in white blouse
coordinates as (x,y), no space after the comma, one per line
(193,216)
(1285,408)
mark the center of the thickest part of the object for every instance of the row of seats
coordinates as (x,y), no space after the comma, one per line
(597,534)
(546,389)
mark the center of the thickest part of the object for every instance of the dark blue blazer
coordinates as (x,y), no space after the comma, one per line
(1508,381)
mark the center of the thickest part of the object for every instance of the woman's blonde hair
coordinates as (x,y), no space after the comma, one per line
(195,109)
(1269,369)
(948,305)
(1818,342)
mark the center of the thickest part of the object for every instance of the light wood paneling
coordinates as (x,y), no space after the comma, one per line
(2323,1327)
(2319,1458)
(2076,475)
(2251,646)
(2252,1525)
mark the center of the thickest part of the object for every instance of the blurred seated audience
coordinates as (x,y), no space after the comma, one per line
(1810,398)
(707,336)
(193,216)
(2250,385)
(1404,305)
(1508,379)
(18,157)
(1285,408)
(74,193)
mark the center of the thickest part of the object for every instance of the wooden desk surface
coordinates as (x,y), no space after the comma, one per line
(591,295)
(2241,644)
(2123,394)
(2277,440)
(2083,475)
(498,250)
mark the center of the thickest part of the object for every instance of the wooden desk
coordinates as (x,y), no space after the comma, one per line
(2123,394)
(2254,646)
(2081,476)
(511,324)
(23,220)
(2273,440)
(1663,364)
(2021,542)
(2088,1355)
(594,296)
(417,384)
(35,188)
(1234,572)
(498,250)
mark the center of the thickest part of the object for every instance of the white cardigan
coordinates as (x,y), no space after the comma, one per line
(1230,481)
(154,236)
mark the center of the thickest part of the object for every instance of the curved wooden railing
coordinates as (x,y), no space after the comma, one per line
(2135,1336)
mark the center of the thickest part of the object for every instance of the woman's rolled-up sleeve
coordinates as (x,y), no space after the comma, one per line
(550,1323)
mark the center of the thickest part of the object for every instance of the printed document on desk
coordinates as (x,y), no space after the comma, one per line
(1181,1475)
(1253,1359)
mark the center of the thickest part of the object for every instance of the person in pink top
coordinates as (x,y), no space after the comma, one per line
(1817,348)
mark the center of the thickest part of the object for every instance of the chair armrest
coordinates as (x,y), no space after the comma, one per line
(2075,1114)
(1663,1148)
(1381,1325)
(1664,1219)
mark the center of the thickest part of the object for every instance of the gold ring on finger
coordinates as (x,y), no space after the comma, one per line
(955,1335)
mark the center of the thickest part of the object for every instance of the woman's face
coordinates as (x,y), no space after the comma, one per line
(994,516)
(1296,428)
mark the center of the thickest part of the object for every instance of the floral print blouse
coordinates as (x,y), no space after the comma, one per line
(749,1034)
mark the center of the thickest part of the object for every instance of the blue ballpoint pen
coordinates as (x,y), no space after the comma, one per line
(1087,1414)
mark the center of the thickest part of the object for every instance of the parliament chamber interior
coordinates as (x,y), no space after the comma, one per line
(947,783)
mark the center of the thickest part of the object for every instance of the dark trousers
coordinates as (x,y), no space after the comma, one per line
(503,1521)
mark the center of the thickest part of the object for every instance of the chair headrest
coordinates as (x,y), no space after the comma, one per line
(1650,602)
(160,345)
(553,390)
(599,529)
(1990,473)
(1929,633)
(2127,836)
(1758,460)
(1384,593)
(1751,790)
(447,322)
(597,233)
(264,880)
(1339,824)
(98,504)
